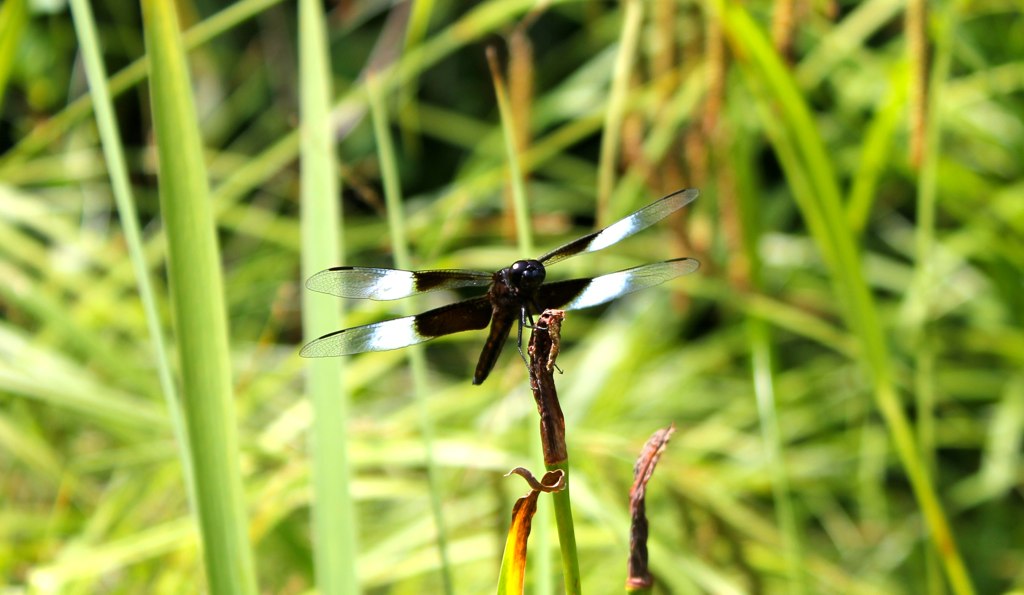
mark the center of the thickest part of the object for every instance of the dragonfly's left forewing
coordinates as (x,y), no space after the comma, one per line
(391,284)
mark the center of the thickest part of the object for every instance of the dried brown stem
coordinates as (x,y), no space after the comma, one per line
(543,351)
(639,575)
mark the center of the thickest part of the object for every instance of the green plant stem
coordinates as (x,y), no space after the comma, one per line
(525,244)
(562,504)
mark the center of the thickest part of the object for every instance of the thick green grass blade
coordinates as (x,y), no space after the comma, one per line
(333,517)
(197,298)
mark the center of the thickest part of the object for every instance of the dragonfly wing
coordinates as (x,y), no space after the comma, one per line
(472,314)
(391,284)
(576,294)
(623,228)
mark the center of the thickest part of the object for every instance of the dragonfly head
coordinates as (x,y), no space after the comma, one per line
(525,276)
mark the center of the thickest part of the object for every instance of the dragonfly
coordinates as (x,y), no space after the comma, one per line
(514,294)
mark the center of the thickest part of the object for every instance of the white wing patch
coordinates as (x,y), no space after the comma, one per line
(380,284)
(613,234)
(392,286)
(393,334)
(608,287)
(601,290)
(379,336)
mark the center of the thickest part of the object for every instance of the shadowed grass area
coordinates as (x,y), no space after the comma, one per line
(844,370)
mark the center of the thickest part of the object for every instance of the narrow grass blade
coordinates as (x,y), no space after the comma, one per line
(400,247)
(524,231)
(629,40)
(926,146)
(759,332)
(333,515)
(874,155)
(85,26)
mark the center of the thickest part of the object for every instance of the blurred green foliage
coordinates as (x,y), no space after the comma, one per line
(783,476)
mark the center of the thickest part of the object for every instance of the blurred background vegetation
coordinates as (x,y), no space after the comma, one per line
(845,370)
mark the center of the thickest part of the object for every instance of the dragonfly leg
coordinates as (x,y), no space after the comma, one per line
(519,340)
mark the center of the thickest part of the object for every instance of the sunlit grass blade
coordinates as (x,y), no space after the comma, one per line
(629,40)
(926,95)
(86,565)
(197,298)
(876,151)
(400,247)
(333,515)
(524,230)
(408,110)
